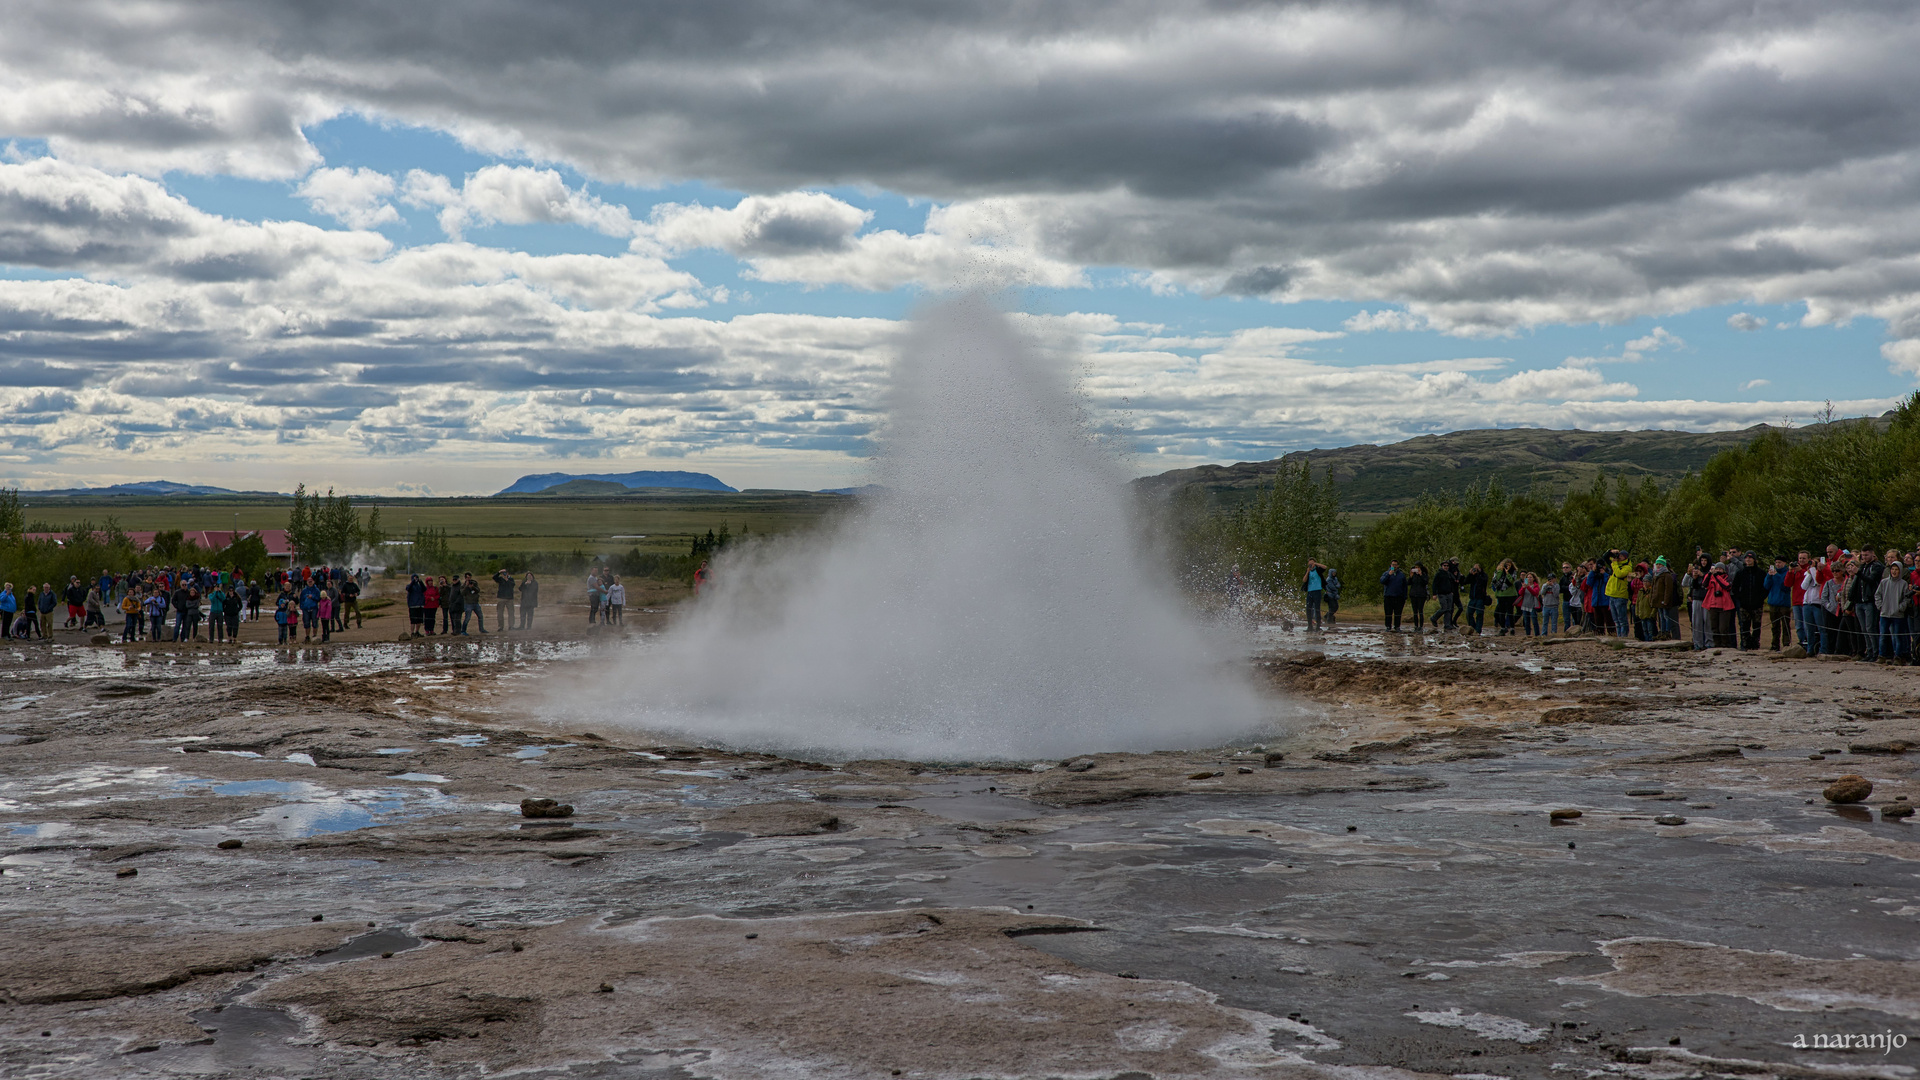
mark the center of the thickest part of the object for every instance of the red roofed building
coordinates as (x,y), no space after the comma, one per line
(206,540)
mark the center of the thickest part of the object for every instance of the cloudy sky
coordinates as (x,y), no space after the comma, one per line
(433,246)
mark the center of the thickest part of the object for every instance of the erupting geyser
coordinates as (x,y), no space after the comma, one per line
(990,604)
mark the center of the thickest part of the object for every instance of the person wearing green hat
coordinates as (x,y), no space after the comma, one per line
(1665,589)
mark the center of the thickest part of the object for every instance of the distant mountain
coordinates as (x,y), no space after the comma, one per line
(1390,477)
(144,487)
(693,481)
(583,487)
(863,489)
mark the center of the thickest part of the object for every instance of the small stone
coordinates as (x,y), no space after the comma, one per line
(1793,652)
(1851,788)
(319,918)
(1569,845)
(1816,757)
(1645,791)
(126,871)
(750,937)
(1699,806)
(605,988)
(1125,975)
(386,956)
(1890,813)
(1273,759)
(1669,819)
(1831,750)
(544,808)
(517,947)
(1205,775)
(230,845)
(1353,828)
(1244,771)
(101,639)
(1079,764)
(1562,815)
(405,637)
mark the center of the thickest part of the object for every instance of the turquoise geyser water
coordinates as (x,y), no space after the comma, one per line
(988,604)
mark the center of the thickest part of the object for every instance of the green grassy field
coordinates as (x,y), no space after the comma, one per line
(505,525)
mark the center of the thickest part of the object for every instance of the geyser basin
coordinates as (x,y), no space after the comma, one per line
(990,604)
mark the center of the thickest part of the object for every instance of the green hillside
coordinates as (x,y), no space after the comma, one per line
(1385,478)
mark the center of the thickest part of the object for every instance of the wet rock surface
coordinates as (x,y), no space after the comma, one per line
(1444,861)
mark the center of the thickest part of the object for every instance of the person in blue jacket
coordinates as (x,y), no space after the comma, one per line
(1393,590)
(1779,603)
(309,611)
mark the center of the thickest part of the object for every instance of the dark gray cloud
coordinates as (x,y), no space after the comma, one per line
(1431,152)
(1490,164)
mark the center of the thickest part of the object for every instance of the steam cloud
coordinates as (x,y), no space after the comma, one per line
(990,605)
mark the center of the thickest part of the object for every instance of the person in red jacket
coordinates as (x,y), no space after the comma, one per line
(1719,606)
(431,601)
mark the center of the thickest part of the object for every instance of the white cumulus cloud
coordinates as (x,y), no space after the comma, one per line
(356,197)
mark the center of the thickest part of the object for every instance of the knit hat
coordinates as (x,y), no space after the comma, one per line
(1661,561)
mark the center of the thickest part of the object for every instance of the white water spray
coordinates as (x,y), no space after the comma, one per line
(988,605)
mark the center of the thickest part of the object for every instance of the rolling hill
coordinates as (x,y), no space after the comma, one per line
(1386,478)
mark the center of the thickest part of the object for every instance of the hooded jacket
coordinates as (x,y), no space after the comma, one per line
(1892,596)
(1664,586)
(1621,573)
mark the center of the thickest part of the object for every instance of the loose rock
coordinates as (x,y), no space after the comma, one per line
(230,845)
(1646,791)
(1793,652)
(1669,819)
(1563,815)
(544,808)
(1885,746)
(102,639)
(126,871)
(1851,788)
(1079,764)
(1890,813)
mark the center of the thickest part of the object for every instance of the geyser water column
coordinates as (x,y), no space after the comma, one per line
(989,603)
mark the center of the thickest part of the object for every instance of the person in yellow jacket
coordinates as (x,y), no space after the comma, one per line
(130,607)
(1620,572)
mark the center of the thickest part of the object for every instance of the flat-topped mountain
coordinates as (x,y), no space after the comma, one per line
(1389,477)
(540,482)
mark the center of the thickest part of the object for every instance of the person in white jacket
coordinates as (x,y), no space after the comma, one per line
(616,600)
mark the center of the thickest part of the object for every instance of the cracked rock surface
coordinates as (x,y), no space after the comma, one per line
(1375,888)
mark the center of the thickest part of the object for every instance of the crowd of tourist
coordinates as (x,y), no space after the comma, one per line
(455,604)
(306,603)
(169,603)
(1858,604)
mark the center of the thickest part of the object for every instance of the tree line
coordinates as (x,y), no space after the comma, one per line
(1855,483)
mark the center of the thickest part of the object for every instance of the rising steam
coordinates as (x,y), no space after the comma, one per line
(989,604)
